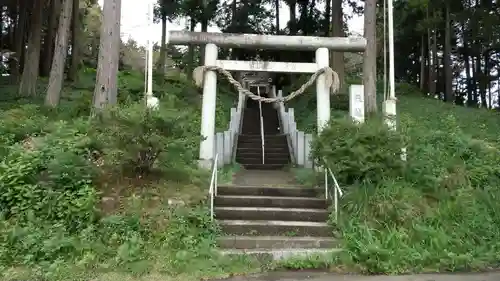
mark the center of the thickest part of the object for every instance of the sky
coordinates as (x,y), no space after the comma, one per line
(134,22)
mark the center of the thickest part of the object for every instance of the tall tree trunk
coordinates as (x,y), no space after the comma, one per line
(434,63)
(105,91)
(163,46)
(338,64)
(466,58)
(423,64)
(27,87)
(481,79)
(328,17)
(277,4)
(448,72)
(60,54)
(192,25)
(75,41)
(49,39)
(293,16)
(370,57)
(19,40)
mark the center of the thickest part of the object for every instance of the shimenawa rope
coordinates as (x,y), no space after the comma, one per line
(332,82)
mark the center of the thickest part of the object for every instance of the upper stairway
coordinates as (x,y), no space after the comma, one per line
(250,153)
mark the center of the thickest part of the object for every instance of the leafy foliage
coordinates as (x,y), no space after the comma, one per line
(359,153)
(59,167)
(436,212)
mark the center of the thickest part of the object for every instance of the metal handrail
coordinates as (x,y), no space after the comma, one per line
(261,125)
(212,191)
(337,191)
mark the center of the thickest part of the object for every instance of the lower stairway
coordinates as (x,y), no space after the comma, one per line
(276,221)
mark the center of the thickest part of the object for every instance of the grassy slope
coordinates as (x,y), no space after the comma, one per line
(141,231)
(441,212)
(431,114)
(375,243)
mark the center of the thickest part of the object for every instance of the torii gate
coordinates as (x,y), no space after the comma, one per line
(212,41)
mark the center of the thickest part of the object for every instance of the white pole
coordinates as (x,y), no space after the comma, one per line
(392,90)
(150,52)
(389,106)
(208,109)
(322,91)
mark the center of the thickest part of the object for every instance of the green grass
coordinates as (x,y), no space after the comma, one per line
(436,212)
(79,204)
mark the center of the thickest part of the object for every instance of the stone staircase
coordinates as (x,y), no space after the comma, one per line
(265,213)
(277,221)
(249,146)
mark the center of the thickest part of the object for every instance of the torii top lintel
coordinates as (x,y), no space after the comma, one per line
(280,42)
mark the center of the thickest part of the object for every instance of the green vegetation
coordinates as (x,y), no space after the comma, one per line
(85,197)
(438,211)
(121,195)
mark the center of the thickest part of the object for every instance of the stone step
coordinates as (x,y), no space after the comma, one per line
(255,130)
(276,214)
(270,201)
(275,242)
(264,166)
(258,153)
(269,131)
(258,160)
(259,149)
(243,140)
(257,136)
(258,144)
(281,254)
(288,191)
(275,228)
(272,155)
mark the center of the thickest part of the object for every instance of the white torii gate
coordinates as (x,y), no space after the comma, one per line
(321,45)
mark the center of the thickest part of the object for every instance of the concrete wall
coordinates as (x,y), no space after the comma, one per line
(225,141)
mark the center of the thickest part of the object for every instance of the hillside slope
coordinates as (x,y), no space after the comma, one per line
(122,193)
(437,211)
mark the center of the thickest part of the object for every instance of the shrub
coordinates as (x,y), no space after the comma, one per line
(357,153)
(50,177)
(137,140)
(440,214)
(16,124)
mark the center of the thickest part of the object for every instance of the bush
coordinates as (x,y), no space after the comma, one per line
(135,140)
(439,213)
(18,123)
(50,177)
(357,153)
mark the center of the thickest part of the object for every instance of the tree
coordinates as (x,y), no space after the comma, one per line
(105,91)
(370,56)
(76,25)
(60,54)
(165,10)
(338,31)
(19,43)
(50,36)
(29,78)
(448,96)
